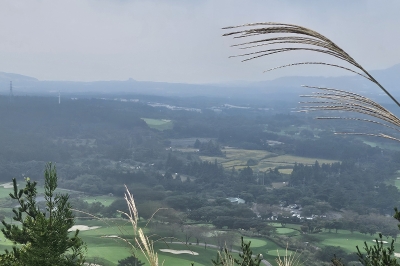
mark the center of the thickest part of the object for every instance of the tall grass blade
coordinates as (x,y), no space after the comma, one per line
(288,38)
(295,38)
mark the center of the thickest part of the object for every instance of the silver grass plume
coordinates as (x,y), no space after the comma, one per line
(297,38)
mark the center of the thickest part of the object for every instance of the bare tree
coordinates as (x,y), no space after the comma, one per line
(188,231)
(267,209)
(224,239)
(200,233)
(219,238)
(168,230)
(230,239)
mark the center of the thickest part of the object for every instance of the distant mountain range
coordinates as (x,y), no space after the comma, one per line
(285,86)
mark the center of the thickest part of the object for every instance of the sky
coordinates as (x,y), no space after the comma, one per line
(181,40)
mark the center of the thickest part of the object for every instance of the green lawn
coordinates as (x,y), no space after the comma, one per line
(256,242)
(286,231)
(159,124)
(397,183)
(348,241)
(105,199)
(265,247)
(110,250)
(113,249)
(5,244)
(4,192)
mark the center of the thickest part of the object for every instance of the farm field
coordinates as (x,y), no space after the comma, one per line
(159,124)
(285,171)
(238,158)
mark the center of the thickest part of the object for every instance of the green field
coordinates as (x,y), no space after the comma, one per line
(348,241)
(113,249)
(256,242)
(238,158)
(381,144)
(4,192)
(286,231)
(6,189)
(104,199)
(268,248)
(397,183)
(159,124)
(99,246)
(109,250)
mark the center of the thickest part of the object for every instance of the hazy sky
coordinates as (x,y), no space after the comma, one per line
(180,40)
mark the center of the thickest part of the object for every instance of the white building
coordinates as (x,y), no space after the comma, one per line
(236,200)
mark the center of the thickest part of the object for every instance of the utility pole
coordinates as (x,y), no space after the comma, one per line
(11,94)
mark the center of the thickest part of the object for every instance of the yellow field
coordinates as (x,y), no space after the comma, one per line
(238,158)
(290,159)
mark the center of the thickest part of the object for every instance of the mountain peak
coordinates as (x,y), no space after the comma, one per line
(7,77)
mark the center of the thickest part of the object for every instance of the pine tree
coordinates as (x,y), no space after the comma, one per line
(130,261)
(246,257)
(43,237)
